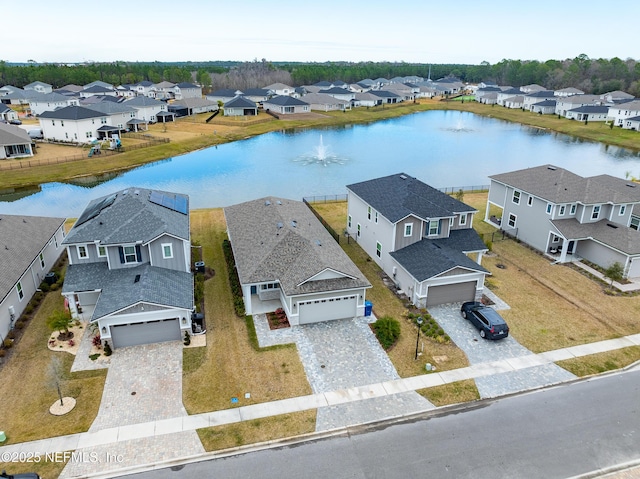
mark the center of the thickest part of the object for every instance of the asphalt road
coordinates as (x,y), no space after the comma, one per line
(555,433)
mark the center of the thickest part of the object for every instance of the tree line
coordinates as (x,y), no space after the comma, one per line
(594,76)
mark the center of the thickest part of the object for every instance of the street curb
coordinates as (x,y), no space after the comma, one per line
(608,471)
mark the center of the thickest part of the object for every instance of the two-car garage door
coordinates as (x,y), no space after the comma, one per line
(142,333)
(451,293)
(327,309)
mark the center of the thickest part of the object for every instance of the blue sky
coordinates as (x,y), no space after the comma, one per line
(424,31)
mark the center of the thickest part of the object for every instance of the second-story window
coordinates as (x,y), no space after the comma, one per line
(433,227)
(102,251)
(463,220)
(369,213)
(516,197)
(408,229)
(595,214)
(82,252)
(128,254)
(623,209)
(167,251)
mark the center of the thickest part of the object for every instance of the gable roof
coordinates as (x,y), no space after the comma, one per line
(111,108)
(230,92)
(21,240)
(129,216)
(256,92)
(98,89)
(49,97)
(591,109)
(336,90)
(240,102)
(276,239)
(72,112)
(541,94)
(36,83)
(385,94)
(323,99)
(284,100)
(558,185)
(13,135)
(187,85)
(278,86)
(397,196)
(604,231)
(141,101)
(428,258)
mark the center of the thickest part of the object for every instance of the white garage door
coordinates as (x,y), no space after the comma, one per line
(144,333)
(327,309)
(451,293)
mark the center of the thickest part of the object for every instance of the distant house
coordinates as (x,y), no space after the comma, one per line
(622,112)
(29,247)
(164,90)
(186,90)
(99,83)
(482,91)
(534,87)
(546,107)
(148,108)
(196,105)
(616,96)
(40,103)
(514,102)
(74,123)
(7,114)
(240,106)
(97,90)
(504,94)
(421,238)
(286,258)
(223,95)
(339,93)
(589,113)
(16,97)
(387,96)
(323,102)
(367,99)
(280,89)
(286,105)
(14,143)
(130,267)
(531,99)
(257,95)
(565,104)
(39,87)
(568,92)
(570,217)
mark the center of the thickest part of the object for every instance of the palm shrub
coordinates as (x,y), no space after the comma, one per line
(387,330)
(61,321)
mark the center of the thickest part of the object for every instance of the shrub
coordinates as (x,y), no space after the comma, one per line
(96,341)
(95,356)
(187,338)
(387,330)
(71,343)
(54,286)
(11,335)
(2,353)
(7,343)
(44,287)
(29,309)
(234,281)
(107,349)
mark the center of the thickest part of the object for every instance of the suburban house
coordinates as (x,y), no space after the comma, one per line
(568,92)
(324,102)
(148,108)
(240,106)
(616,96)
(568,216)
(286,258)
(7,114)
(286,105)
(257,95)
(186,90)
(387,96)
(14,142)
(29,246)
(531,99)
(144,88)
(39,87)
(546,107)
(97,90)
(77,124)
(624,111)
(280,89)
(514,102)
(366,99)
(224,95)
(505,94)
(41,102)
(420,237)
(195,105)
(163,91)
(339,93)
(589,113)
(130,267)
(565,104)
(16,97)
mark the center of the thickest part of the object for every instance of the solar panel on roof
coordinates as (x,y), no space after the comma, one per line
(170,201)
(94,210)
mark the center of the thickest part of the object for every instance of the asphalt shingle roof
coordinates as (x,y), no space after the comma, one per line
(558,185)
(21,240)
(131,218)
(284,100)
(614,235)
(428,258)
(13,135)
(72,112)
(119,289)
(400,195)
(240,102)
(268,247)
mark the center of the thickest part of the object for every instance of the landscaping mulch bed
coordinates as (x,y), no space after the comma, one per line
(278,319)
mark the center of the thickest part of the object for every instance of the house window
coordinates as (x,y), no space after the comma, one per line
(596,212)
(358,230)
(53,122)
(516,197)
(102,251)
(433,227)
(41,260)
(349,221)
(61,123)
(572,211)
(635,223)
(623,209)
(369,213)
(55,241)
(375,217)
(82,251)
(103,121)
(562,210)
(129,254)
(512,220)
(378,249)
(167,251)
(549,208)
(463,220)
(408,229)
(19,290)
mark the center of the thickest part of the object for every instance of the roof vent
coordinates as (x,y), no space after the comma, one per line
(318,242)
(279,202)
(136,192)
(294,223)
(137,278)
(404,177)
(267,203)
(612,226)
(279,225)
(552,168)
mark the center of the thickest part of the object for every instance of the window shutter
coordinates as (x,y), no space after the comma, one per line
(121,253)
(138,254)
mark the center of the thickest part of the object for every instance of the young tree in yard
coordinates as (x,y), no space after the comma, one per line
(614,272)
(55,374)
(61,321)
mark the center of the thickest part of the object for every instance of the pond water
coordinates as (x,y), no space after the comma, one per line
(441,148)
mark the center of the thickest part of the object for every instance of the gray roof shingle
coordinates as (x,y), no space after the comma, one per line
(13,135)
(284,100)
(614,235)
(397,196)
(268,247)
(72,112)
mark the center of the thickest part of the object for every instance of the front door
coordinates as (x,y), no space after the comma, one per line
(571,246)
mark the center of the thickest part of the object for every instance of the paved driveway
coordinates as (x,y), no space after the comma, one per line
(339,355)
(479,350)
(144,383)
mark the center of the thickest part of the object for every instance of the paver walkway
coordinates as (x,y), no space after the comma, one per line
(479,350)
(340,355)
(143,385)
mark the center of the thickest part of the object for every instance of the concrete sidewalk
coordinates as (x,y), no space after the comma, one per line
(388,388)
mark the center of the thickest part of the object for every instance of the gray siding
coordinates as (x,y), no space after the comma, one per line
(177,262)
(114,257)
(532,222)
(401,240)
(599,254)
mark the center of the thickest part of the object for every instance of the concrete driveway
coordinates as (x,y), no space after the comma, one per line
(479,350)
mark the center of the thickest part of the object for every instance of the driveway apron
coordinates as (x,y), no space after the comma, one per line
(343,354)
(144,384)
(479,350)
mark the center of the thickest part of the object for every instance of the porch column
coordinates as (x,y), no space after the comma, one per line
(479,261)
(563,250)
(246,294)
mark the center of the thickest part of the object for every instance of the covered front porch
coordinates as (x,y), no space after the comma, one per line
(562,250)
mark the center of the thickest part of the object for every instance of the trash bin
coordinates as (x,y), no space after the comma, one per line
(368,306)
(50,278)
(199,266)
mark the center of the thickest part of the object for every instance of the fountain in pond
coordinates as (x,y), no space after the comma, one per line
(459,127)
(322,156)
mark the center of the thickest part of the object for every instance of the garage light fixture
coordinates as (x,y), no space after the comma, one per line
(104,330)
